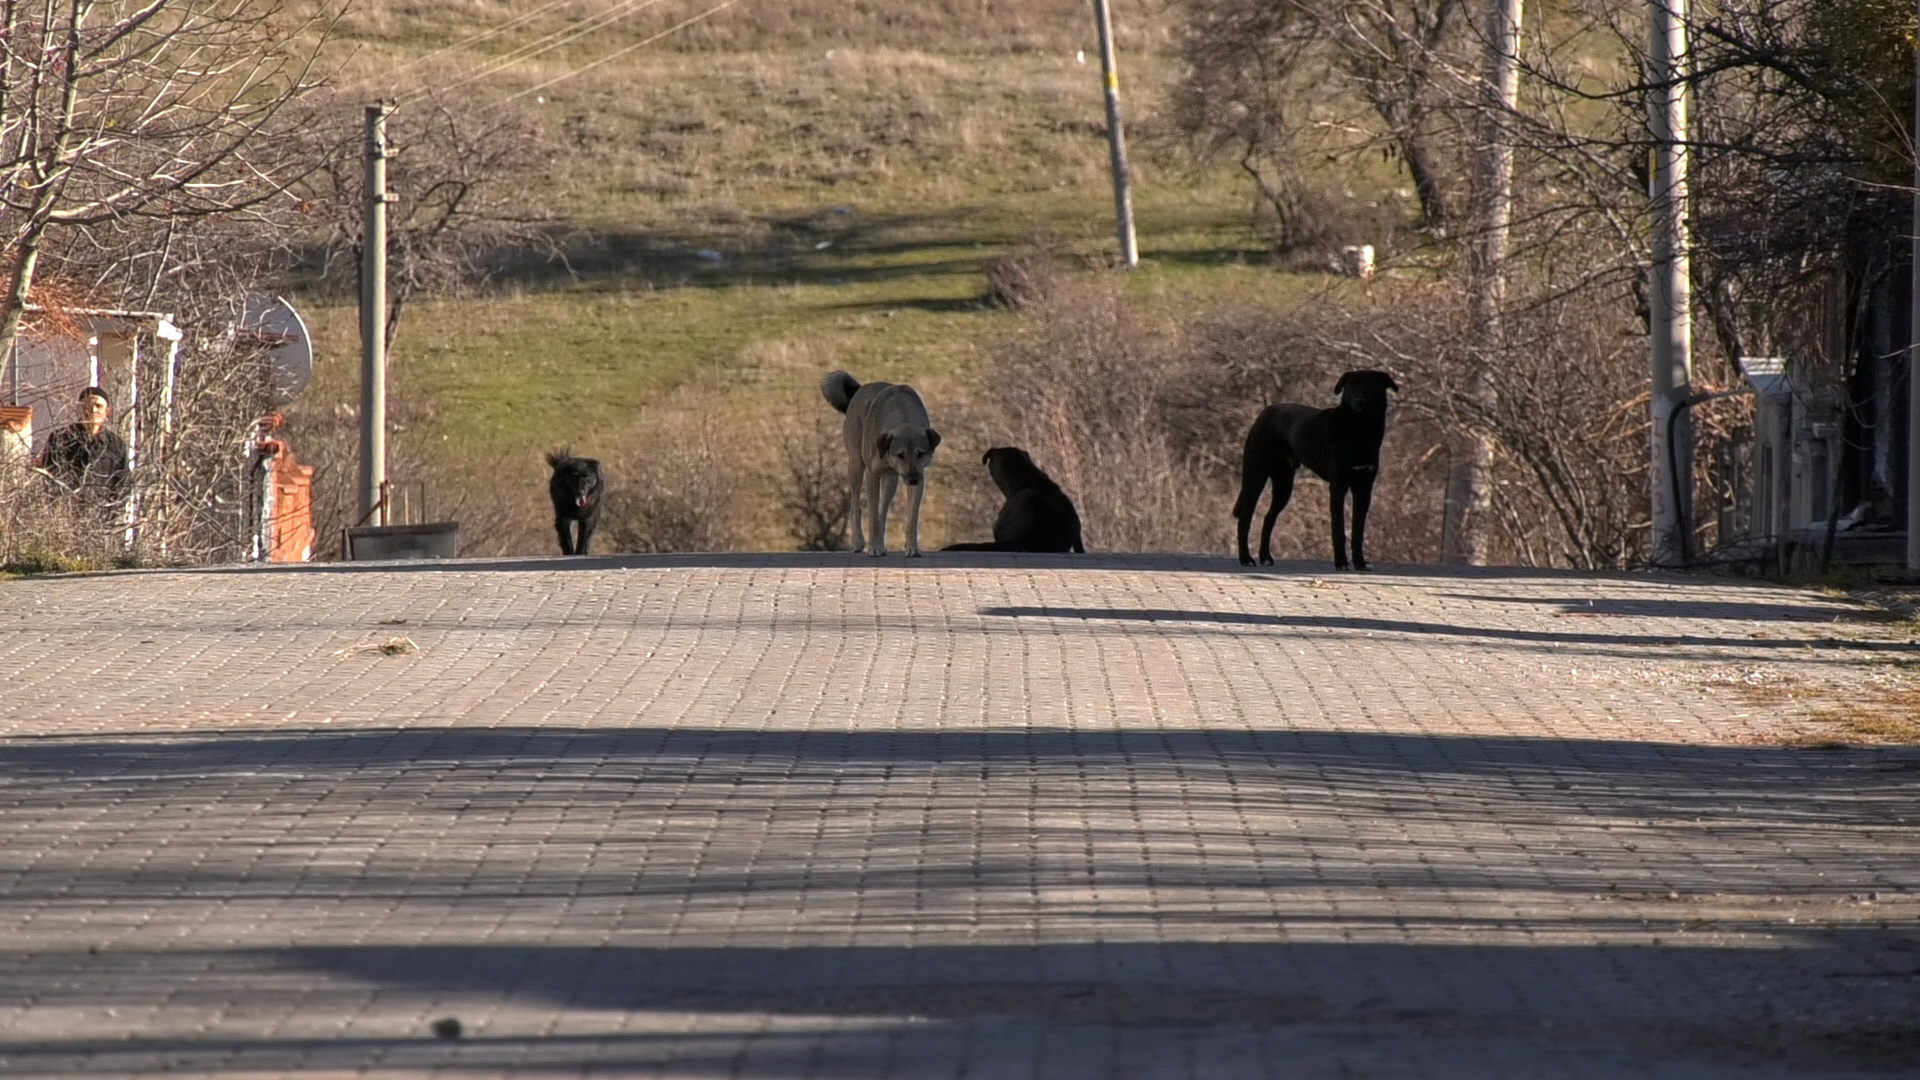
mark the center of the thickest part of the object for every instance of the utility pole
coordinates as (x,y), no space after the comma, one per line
(1668,292)
(1913,354)
(373,321)
(1463,531)
(1116,141)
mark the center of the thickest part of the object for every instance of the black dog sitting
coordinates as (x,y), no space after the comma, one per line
(1341,445)
(576,487)
(1037,516)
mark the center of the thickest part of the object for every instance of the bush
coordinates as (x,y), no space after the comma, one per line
(43,561)
(807,479)
(674,489)
(1023,279)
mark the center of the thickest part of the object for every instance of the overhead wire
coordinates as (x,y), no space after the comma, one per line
(470,40)
(492,31)
(618,53)
(548,42)
(543,44)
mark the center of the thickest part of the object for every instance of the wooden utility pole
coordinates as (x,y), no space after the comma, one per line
(1116,140)
(373,322)
(1463,532)
(1668,293)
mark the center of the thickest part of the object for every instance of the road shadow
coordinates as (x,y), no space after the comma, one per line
(1348,623)
(1796,606)
(1228,1009)
(1280,942)
(1540,779)
(1314,570)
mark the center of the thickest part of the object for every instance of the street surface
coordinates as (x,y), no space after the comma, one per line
(969,816)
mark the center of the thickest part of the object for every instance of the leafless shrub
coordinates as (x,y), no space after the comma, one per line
(807,479)
(1082,386)
(45,529)
(459,214)
(1142,420)
(1268,86)
(1569,419)
(675,487)
(1021,279)
(329,441)
(194,494)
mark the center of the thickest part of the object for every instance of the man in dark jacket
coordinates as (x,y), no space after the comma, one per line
(87,453)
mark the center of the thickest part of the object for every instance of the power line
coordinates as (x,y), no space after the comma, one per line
(471,39)
(618,53)
(494,31)
(544,44)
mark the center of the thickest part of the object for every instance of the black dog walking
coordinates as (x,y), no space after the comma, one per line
(576,487)
(1341,445)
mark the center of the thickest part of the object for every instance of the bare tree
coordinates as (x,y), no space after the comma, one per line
(1254,83)
(457,208)
(115,110)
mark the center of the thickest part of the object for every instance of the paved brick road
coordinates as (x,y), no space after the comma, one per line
(984,817)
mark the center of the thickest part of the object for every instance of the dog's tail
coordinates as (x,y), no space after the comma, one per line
(839,388)
(555,457)
(989,546)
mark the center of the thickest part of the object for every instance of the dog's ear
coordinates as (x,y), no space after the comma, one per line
(987,458)
(883,441)
(933,440)
(1391,385)
(1342,384)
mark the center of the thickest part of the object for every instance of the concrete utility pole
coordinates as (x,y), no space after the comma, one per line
(1116,140)
(1463,530)
(1913,354)
(373,321)
(1668,292)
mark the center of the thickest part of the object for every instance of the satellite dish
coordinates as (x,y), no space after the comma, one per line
(272,323)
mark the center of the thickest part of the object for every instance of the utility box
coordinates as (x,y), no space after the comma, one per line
(1796,449)
(429,540)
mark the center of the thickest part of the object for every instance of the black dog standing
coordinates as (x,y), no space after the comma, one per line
(576,487)
(1341,445)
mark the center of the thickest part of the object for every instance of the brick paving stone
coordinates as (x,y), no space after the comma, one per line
(967,816)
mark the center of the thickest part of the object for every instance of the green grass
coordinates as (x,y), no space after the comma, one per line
(854,176)
(35,562)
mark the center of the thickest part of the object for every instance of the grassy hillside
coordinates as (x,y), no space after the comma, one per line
(779,189)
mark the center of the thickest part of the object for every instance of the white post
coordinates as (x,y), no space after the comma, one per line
(1668,292)
(1116,140)
(1469,499)
(130,513)
(373,320)
(169,333)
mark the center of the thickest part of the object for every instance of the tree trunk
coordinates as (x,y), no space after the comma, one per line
(1465,522)
(1434,212)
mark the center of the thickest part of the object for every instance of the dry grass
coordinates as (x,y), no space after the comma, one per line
(957,26)
(1891,716)
(1871,715)
(782,190)
(47,532)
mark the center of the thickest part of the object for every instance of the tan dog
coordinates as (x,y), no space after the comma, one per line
(889,439)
